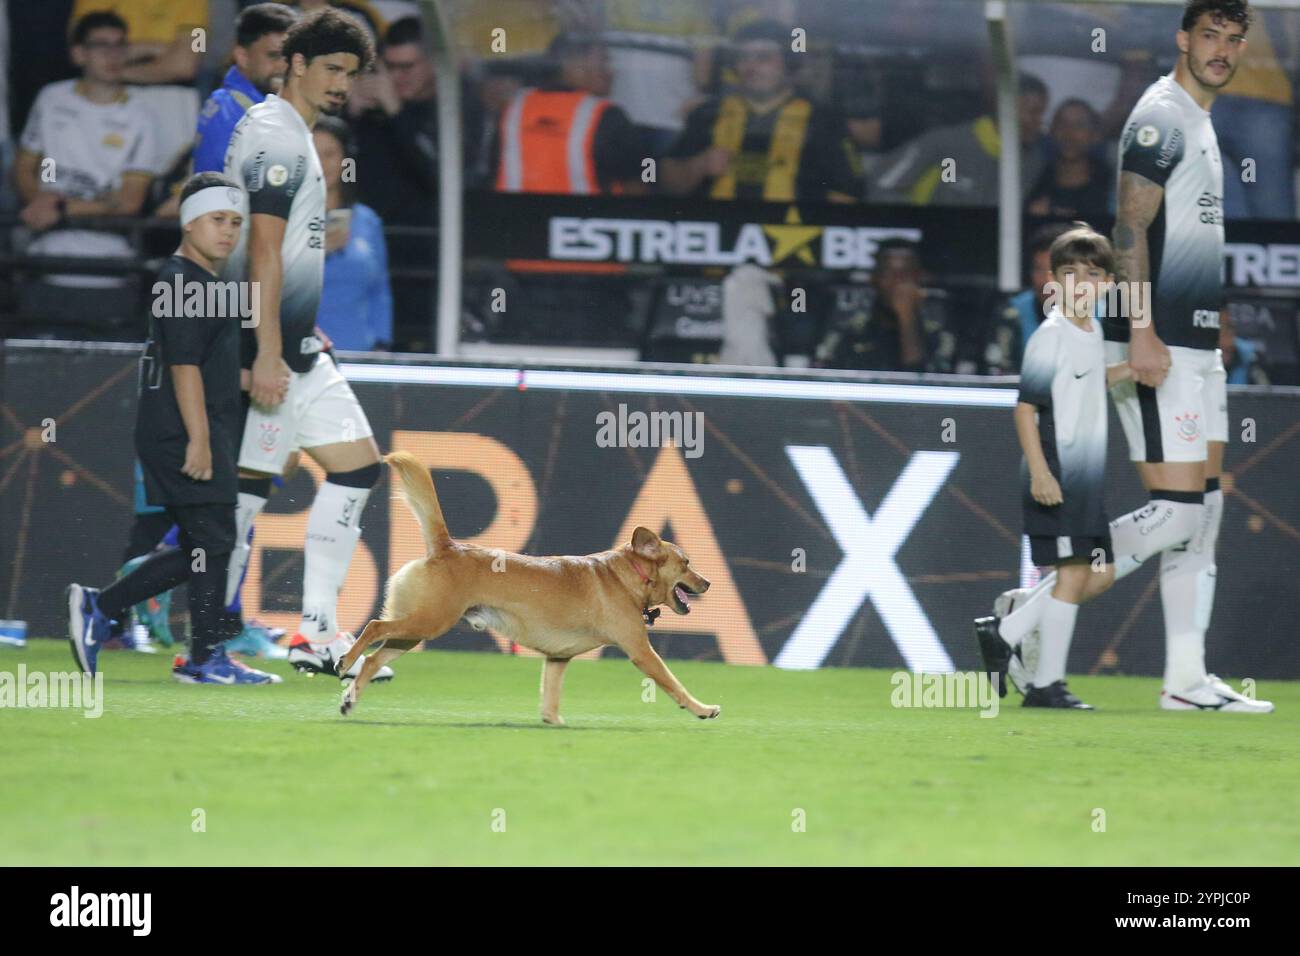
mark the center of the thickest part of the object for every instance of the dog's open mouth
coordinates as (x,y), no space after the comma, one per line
(681,604)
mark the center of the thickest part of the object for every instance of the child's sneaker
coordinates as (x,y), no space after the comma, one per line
(1055,694)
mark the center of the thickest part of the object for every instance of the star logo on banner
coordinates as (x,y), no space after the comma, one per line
(792,238)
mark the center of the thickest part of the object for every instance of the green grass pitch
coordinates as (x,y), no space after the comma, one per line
(430,767)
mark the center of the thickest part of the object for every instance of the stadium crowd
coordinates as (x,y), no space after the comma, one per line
(768,100)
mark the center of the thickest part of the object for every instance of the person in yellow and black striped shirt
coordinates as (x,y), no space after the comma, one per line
(763,141)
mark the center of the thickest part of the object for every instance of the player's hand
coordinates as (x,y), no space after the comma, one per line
(198,461)
(1149,359)
(269,382)
(1045,489)
(42,212)
(337,234)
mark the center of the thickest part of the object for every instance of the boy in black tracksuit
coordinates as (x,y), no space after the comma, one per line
(186,435)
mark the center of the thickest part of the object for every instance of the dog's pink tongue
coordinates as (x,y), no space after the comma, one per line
(681,595)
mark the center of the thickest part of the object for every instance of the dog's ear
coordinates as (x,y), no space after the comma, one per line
(645,541)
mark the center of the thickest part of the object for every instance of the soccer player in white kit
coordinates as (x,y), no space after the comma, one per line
(299,399)
(1169,254)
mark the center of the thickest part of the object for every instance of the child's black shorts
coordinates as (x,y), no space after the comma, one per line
(1046,550)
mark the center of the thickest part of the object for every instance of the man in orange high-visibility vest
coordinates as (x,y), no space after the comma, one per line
(568,137)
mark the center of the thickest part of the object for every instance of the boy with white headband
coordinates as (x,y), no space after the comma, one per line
(186,435)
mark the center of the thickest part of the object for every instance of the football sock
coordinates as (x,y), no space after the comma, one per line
(1055,631)
(1024,619)
(1187,579)
(1181,573)
(1169,519)
(253,494)
(333,530)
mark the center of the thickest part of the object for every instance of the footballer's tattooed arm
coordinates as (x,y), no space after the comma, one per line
(1138,204)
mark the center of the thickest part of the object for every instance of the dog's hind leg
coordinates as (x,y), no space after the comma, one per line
(391,651)
(369,634)
(552,683)
(399,636)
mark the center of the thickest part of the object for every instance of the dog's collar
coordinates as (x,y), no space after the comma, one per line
(649,613)
(644,577)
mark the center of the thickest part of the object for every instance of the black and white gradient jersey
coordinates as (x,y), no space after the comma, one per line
(1064,376)
(272,155)
(1170,140)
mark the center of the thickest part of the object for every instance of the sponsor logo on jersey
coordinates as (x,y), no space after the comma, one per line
(1211,208)
(1189,426)
(1205,318)
(1170,149)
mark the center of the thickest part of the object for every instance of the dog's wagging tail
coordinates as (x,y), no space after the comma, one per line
(560,606)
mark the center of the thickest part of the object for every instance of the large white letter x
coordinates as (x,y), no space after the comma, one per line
(868,569)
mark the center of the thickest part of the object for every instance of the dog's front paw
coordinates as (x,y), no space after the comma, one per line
(710,711)
(347,702)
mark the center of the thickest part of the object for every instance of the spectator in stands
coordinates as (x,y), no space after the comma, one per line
(395,124)
(897,328)
(568,136)
(396,121)
(1076,184)
(660,60)
(162,62)
(763,141)
(258,69)
(1022,313)
(495,86)
(87,150)
(958,165)
(1255,120)
(356,305)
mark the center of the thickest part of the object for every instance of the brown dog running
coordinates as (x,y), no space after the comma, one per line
(560,606)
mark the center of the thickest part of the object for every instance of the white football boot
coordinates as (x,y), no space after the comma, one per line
(1213,694)
(311,658)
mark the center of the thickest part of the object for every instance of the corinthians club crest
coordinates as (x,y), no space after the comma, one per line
(1189,426)
(268,435)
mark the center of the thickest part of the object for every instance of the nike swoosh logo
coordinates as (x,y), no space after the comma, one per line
(229,679)
(1222,701)
(1082,374)
(90,641)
